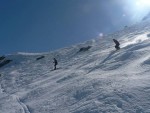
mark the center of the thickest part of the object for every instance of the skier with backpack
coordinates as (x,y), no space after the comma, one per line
(117,44)
(55,63)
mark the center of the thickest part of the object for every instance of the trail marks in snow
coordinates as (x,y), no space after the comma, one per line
(22,105)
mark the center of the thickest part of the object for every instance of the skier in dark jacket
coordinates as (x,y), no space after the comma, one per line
(55,63)
(117,44)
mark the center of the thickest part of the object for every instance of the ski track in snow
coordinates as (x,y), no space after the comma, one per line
(22,105)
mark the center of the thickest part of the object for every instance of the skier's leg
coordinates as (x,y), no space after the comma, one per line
(117,47)
(55,67)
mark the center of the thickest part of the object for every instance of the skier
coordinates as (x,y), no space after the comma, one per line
(55,63)
(117,44)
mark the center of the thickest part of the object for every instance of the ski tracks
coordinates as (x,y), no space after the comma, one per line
(22,105)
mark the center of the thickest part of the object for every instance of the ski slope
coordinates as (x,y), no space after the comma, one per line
(100,80)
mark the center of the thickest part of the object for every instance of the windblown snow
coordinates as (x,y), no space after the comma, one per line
(97,80)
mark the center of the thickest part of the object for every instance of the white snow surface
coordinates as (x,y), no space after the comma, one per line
(100,80)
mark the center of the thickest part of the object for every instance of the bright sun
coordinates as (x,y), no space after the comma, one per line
(136,10)
(143,3)
(140,8)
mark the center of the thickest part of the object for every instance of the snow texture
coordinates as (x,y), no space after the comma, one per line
(99,80)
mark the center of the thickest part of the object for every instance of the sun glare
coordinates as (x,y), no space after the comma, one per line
(138,9)
(143,3)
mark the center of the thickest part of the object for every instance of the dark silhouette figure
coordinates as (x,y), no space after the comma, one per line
(117,44)
(55,63)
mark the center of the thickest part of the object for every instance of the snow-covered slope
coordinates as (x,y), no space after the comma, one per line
(100,80)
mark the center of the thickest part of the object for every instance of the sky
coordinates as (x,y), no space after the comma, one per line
(47,25)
